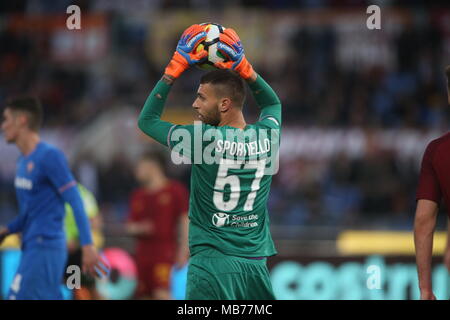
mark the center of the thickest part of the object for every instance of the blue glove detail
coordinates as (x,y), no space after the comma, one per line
(186,45)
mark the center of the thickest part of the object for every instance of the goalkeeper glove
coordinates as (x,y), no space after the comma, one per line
(185,55)
(230,46)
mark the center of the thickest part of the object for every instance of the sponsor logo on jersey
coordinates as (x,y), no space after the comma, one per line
(244,221)
(220,219)
(23,183)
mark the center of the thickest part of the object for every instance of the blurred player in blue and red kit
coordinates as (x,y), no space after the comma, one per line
(434,184)
(158,219)
(43,185)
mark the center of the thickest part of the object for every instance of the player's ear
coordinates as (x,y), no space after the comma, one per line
(21,119)
(225,104)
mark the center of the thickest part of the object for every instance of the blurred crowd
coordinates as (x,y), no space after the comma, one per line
(406,91)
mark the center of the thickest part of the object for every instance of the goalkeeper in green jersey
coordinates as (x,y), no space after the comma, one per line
(232,167)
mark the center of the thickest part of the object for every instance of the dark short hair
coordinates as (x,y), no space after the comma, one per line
(155,156)
(29,105)
(230,83)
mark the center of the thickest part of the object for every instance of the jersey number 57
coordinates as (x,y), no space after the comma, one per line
(233,181)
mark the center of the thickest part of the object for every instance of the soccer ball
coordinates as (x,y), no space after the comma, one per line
(213,31)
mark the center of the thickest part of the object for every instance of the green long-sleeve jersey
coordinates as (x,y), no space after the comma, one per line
(231,173)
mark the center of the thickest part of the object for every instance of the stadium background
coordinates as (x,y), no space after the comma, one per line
(359,107)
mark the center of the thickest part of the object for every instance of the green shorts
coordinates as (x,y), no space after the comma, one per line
(215,276)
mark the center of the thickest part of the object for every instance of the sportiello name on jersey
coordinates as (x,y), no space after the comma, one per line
(200,144)
(241,149)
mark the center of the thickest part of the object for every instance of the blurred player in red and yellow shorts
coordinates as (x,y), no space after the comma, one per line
(158,220)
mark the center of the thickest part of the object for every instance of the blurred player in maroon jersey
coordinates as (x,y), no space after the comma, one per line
(158,219)
(434,184)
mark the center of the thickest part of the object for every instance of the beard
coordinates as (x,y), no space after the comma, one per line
(212,118)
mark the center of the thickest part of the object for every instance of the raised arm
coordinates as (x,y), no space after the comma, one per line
(267,100)
(230,46)
(149,120)
(185,56)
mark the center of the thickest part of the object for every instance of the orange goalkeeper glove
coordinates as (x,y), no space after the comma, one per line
(185,55)
(231,47)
